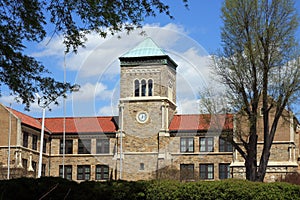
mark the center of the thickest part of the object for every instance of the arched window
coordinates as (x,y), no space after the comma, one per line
(150,87)
(136,88)
(143,88)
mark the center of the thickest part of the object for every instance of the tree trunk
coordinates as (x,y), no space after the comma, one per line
(251,169)
(251,159)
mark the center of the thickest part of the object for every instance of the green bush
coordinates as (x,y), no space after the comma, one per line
(58,188)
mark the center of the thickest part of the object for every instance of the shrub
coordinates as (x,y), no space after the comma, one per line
(58,188)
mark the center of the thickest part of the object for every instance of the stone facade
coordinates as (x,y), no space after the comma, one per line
(139,144)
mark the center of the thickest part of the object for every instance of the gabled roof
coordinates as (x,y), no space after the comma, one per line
(201,122)
(81,125)
(26,119)
(145,49)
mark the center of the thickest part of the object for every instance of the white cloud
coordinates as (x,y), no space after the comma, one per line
(97,66)
(90,91)
(50,47)
(108,111)
(188,106)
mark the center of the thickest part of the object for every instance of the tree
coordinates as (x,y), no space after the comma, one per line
(259,62)
(26,21)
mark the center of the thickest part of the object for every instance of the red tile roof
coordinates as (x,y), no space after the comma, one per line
(26,119)
(81,125)
(192,122)
(201,122)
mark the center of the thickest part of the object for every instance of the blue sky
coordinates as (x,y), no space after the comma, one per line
(188,39)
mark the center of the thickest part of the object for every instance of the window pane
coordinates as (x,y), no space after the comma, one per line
(206,144)
(186,144)
(34,142)
(186,171)
(224,145)
(68,146)
(206,171)
(84,146)
(136,88)
(102,146)
(25,139)
(102,172)
(224,171)
(150,86)
(143,88)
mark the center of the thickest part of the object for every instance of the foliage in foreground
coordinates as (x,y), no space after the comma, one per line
(57,188)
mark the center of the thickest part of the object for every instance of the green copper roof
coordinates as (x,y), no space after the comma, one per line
(145,48)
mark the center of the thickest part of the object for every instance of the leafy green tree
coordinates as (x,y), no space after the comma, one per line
(259,61)
(23,21)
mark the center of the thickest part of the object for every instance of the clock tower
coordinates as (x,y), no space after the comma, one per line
(147,101)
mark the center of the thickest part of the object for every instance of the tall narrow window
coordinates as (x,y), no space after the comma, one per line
(34,142)
(150,87)
(43,170)
(45,146)
(143,88)
(25,139)
(136,88)
(24,163)
(206,171)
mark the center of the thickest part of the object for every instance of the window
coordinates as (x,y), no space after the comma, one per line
(24,163)
(102,146)
(187,144)
(25,139)
(150,87)
(68,147)
(206,144)
(143,88)
(206,171)
(44,145)
(142,166)
(224,170)
(102,172)
(224,145)
(43,172)
(83,172)
(34,142)
(136,88)
(186,171)
(84,146)
(67,172)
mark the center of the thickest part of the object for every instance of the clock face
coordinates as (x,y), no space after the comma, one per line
(142,117)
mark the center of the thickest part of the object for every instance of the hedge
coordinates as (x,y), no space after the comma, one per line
(57,188)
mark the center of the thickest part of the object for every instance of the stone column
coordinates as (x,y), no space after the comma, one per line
(167,117)
(30,168)
(292,133)
(20,159)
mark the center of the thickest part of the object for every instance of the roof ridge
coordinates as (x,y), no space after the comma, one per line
(76,117)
